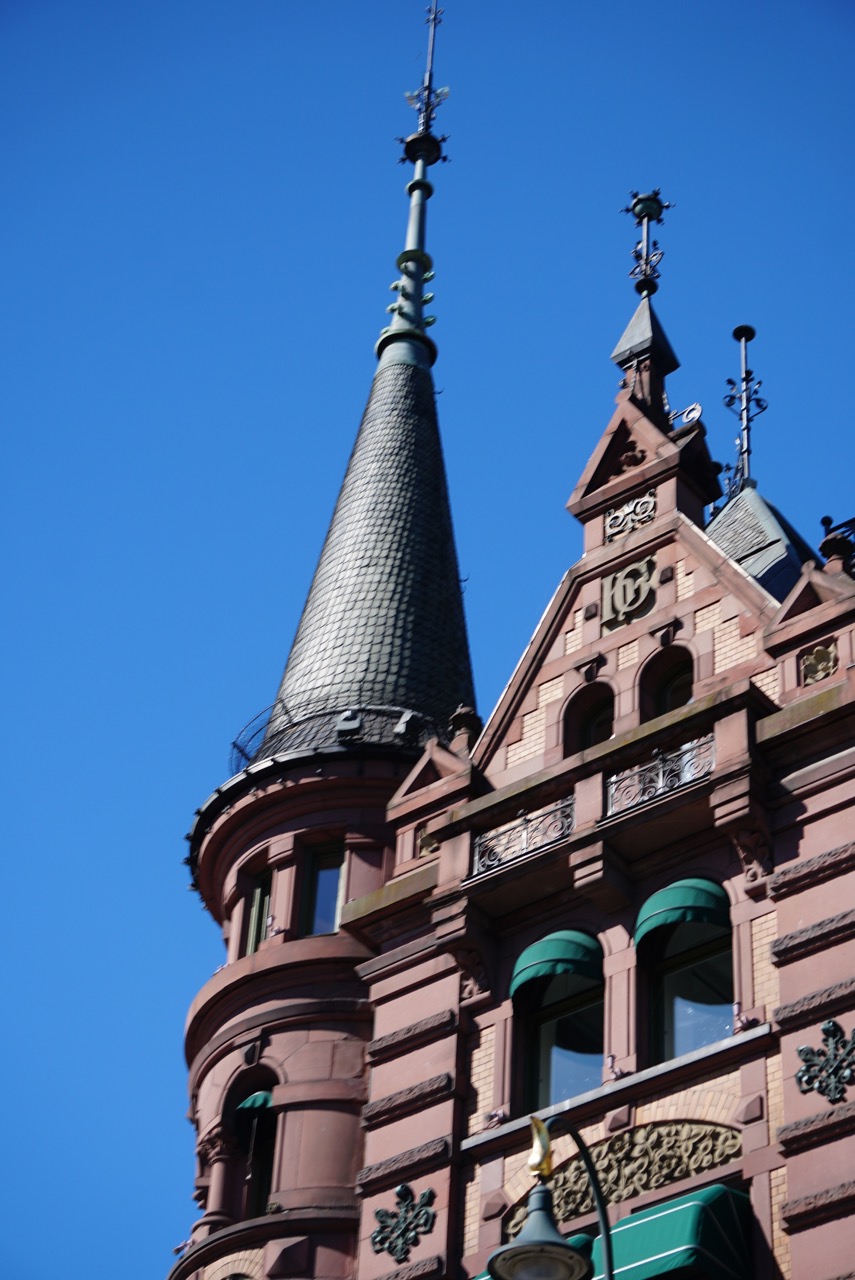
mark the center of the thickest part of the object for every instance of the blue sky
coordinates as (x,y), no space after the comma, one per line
(199,219)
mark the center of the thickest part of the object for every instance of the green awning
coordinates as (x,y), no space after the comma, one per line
(256,1101)
(567,951)
(705,1233)
(685,900)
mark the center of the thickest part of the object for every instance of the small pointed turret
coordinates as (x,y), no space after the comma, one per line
(381,654)
(643,350)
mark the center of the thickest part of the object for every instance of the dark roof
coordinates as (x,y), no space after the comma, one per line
(644,336)
(749,530)
(382,631)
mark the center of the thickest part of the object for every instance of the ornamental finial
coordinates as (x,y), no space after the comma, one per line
(426,98)
(743,400)
(647,255)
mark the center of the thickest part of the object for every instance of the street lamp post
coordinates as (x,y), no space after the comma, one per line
(540,1252)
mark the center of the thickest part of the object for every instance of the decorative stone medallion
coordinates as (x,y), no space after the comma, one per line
(622,520)
(818,663)
(629,593)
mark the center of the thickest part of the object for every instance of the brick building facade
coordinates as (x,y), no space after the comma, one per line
(625,899)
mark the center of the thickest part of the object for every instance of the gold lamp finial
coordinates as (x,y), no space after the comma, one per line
(540,1159)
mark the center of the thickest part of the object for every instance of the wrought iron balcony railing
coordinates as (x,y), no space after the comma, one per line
(666,772)
(530,833)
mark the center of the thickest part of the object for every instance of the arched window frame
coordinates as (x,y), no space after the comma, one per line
(666,682)
(588,717)
(684,951)
(556,979)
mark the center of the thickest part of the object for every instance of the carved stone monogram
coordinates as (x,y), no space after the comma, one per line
(629,593)
(830,1070)
(622,520)
(642,1159)
(399,1232)
(818,663)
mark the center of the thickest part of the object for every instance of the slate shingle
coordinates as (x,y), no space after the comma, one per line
(383,624)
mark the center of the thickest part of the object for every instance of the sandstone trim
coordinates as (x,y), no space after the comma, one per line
(408,1164)
(407,1100)
(825,1126)
(823,1206)
(824,1003)
(421,1270)
(815,937)
(800,875)
(417,1033)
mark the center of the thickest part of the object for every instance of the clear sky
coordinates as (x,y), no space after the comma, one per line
(200,215)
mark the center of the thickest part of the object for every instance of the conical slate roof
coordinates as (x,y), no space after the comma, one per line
(383,631)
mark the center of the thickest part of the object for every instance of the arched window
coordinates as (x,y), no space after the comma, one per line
(250,1120)
(683,941)
(667,682)
(557,989)
(589,718)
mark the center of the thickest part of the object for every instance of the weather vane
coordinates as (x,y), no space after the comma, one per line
(743,400)
(426,99)
(646,208)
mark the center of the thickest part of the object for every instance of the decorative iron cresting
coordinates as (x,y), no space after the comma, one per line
(632,515)
(642,1159)
(400,1232)
(830,1070)
(667,771)
(529,834)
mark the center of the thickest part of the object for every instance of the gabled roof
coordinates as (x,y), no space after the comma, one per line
(752,532)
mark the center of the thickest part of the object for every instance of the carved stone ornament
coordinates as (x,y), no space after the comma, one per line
(631,455)
(753,849)
(641,1159)
(399,1232)
(818,663)
(829,1070)
(217,1145)
(474,980)
(629,593)
(622,520)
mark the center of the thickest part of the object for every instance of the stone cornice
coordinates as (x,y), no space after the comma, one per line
(405,1166)
(824,1003)
(404,1101)
(811,871)
(417,1033)
(256,1232)
(428,1267)
(815,937)
(822,1206)
(825,1126)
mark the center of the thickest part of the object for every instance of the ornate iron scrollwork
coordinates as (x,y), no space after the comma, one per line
(530,833)
(399,1232)
(667,771)
(829,1070)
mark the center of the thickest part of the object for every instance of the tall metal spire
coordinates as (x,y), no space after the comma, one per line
(381,657)
(643,351)
(743,400)
(405,340)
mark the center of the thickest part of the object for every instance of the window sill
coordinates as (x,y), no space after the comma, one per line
(629,1088)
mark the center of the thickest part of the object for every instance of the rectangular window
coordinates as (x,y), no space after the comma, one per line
(258,904)
(324,884)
